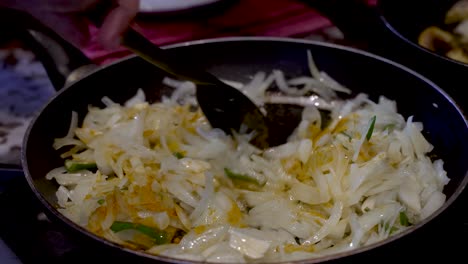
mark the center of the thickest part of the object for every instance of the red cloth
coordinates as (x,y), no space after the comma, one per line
(281,18)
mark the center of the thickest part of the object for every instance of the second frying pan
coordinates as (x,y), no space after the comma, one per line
(405,20)
(391,29)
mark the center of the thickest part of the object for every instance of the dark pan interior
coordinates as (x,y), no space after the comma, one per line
(237,59)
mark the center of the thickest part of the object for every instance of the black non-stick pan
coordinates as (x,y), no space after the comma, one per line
(237,59)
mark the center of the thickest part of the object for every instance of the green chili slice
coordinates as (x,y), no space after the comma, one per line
(404,221)
(74,166)
(179,155)
(240,177)
(158,236)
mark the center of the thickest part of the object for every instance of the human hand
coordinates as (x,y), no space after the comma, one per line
(68,18)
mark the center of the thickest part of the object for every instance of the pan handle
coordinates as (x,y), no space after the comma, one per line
(63,62)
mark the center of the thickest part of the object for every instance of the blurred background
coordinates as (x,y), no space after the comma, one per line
(25,87)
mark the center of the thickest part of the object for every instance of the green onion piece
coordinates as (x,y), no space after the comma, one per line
(159,237)
(371,128)
(101,201)
(389,127)
(404,221)
(347,135)
(240,177)
(178,155)
(73,166)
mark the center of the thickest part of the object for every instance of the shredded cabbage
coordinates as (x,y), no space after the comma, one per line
(334,186)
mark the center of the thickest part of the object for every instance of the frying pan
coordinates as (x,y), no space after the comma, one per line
(391,29)
(236,59)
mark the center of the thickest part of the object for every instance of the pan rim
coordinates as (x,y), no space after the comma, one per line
(320,259)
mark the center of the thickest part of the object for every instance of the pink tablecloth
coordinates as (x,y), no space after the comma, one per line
(281,18)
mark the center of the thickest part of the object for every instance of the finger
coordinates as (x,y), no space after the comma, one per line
(116,22)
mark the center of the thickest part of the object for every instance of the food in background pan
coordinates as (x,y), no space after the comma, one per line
(156,177)
(451,39)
